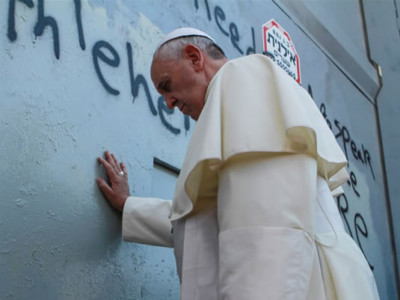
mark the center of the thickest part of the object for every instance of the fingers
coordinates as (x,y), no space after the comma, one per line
(112,166)
(115,160)
(109,169)
(117,190)
(123,168)
(112,161)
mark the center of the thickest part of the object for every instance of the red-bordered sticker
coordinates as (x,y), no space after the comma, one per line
(278,45)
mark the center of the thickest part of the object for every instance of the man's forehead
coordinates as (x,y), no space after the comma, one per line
(160,72)
(160,66)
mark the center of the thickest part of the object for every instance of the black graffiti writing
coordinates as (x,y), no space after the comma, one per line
(43,22)
(342,200)
(232,32)
(113,61)
(343,136)
(196,5)
(219,14)
(252,48)
(353,183)
(103,53)
(360,227)
(138,81)
(11,32)
(78,17)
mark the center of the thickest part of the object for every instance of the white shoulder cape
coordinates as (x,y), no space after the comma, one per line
(230,125)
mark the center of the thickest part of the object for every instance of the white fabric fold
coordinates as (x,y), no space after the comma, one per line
(271,114)
(146,221)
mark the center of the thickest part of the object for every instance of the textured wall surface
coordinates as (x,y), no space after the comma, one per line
(385,49)
(75,81)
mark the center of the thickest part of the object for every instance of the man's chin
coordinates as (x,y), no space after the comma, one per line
(189,113)
(193,116)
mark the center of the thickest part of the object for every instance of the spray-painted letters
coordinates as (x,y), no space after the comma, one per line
(358,227)
(102,53)
(233,32)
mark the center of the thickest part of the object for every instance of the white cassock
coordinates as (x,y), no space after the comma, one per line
(253,214)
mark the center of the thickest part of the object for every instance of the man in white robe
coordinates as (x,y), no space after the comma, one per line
(253,215)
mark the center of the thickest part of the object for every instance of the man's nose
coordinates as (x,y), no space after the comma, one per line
(171,102)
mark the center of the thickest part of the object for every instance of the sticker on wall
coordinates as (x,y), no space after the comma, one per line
(278,45)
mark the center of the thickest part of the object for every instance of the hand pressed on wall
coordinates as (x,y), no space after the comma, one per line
(117,190)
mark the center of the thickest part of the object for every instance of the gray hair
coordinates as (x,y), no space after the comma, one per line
(173,48)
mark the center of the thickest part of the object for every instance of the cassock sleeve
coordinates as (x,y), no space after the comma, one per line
(146,221)
(265,217)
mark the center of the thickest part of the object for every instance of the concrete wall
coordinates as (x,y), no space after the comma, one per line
(60,239)
(384,40)
(75,81)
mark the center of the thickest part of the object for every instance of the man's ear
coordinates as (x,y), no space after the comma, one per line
(195,55)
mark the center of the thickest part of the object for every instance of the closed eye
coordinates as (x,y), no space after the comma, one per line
(165,86)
